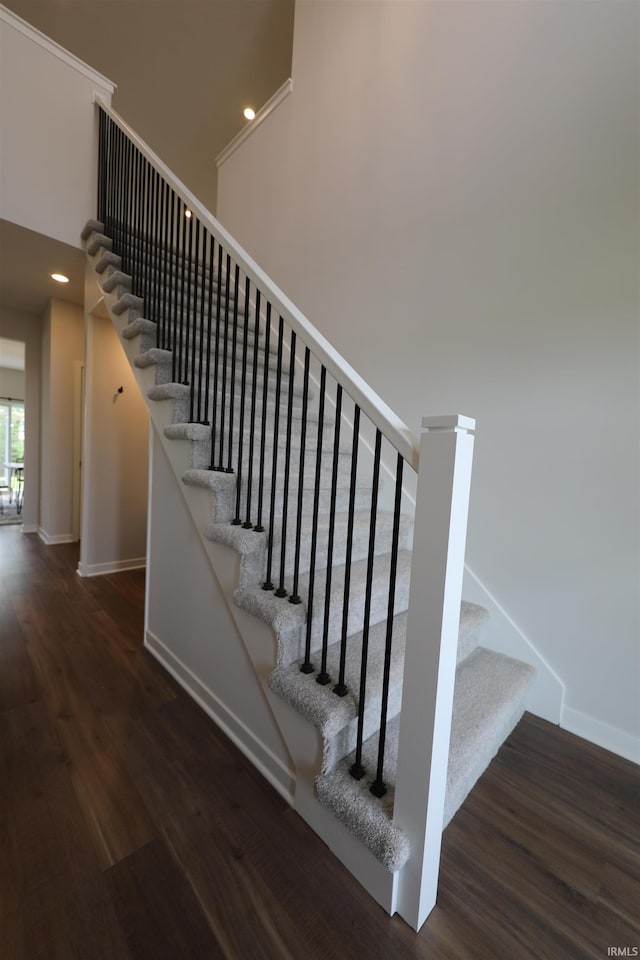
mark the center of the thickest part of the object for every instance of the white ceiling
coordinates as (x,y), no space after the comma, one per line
(27,260)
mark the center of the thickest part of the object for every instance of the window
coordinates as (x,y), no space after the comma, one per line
(11,435)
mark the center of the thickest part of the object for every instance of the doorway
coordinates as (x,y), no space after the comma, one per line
(12,426)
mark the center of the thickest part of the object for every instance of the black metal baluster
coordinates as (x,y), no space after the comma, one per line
(154,286)
(208,346)
(267,585)
(167,343)
(194,384)
(216,363)
(108,186)
(252,423)
(183,267)
(378,788)
(161,280)
(295,597)
(125,205)
(128,202)
(203,384)
(340,687)
(175,231)
(121,199)
(237,520)
(307,666)
(129,192)
(281,592)
(143,219)
(117,192)
(357,770)
(323,677)
(263,431)
(101,167)
(234,345)
(151,242)
(225,357)
(110,157)
(135,230)
(190,295)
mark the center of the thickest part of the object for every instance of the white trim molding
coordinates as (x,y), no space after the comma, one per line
(617,741)
(272,769)
(117,566)
(51,538)
(281,94)
(105,85)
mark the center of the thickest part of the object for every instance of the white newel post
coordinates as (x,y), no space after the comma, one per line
(444,479)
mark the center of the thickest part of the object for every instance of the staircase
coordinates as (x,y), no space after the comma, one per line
(309,494)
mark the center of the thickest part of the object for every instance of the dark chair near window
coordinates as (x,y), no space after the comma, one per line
(18,481)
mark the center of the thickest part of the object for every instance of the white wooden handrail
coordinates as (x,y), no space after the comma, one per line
(382,416)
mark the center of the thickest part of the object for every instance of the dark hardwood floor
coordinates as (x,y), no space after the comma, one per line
(130,827)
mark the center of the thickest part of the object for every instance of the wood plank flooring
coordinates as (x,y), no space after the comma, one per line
(131,829)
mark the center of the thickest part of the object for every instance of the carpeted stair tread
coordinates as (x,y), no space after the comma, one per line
(473,619)
(146,329)
(153,357)
(369,818)
(284,617)
(91,227)
(252,550)
(336,716)
(140,327)
(107,262)
(489,699)
(201,456)
(97,243)
(128,302)
(117,281)
(331,713)
(196,432)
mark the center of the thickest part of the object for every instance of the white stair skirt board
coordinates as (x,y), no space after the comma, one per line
(318,727)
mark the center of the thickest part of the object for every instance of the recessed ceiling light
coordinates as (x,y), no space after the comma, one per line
(249,113)
(60,277)
(188,214)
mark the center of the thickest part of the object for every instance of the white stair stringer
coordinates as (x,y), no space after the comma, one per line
(318,726)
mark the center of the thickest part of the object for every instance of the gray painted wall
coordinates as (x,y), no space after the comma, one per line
(451,195)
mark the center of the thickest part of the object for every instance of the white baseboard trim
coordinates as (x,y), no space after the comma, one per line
(610,738)
(51,538)
(272,769)
(117,566)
